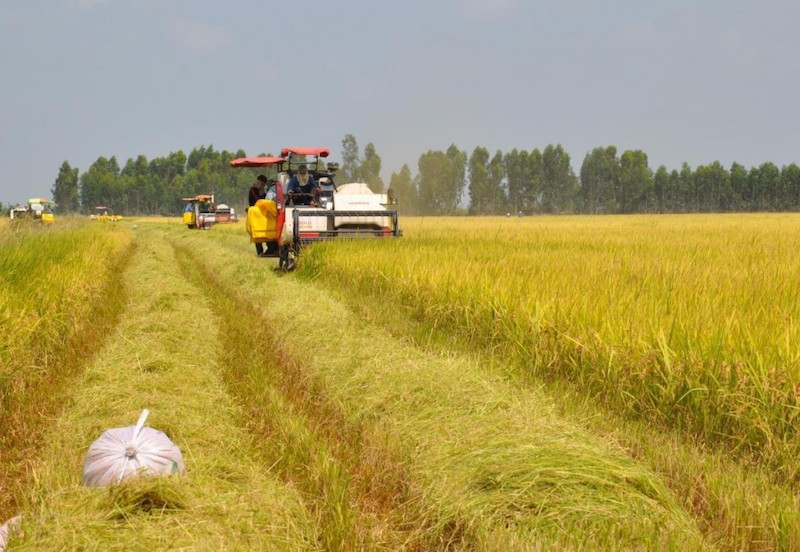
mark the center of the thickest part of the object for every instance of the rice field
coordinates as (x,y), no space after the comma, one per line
(575,383)
(57,289)
(690,322)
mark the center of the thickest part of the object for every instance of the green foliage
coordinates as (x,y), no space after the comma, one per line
(65,189)
(404,191)
(518,181)
(635,182)
(479,184)
(351,160)
(559,185)
(435,171)
(600,181)
(370,169)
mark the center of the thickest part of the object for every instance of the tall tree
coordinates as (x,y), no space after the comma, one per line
(673,192)
(404,191)
(686,194)
(790,185)
(497,180)
(559,186)
(636,182)
(351,160)
(434,183)
(65,189)
(515,178)
(99,184)
(480,201)
(458,177)
(600,181)
(661,188)
(739,187)
(533,179)
(370,169)
(769,184)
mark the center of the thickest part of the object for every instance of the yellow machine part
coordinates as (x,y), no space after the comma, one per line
(48,218)
(188,218)
(262,221)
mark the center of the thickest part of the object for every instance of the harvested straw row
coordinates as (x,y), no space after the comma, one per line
(490,465)
(163,356)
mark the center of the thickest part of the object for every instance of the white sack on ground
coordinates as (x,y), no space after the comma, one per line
(7,529)
(123,451)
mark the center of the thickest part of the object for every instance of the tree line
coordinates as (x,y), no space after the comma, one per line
(530,182)
(449,182)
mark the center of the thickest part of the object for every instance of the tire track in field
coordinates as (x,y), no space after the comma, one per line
(358,491)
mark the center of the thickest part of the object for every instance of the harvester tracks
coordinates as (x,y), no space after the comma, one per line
(357,489)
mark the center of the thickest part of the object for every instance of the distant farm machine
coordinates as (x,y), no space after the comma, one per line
(286,221)
(101,213)
(39,209)
(201,212)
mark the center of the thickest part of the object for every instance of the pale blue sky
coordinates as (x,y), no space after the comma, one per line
(683,80)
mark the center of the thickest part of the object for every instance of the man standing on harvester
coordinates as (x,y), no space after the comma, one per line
(257,192)
(302,187)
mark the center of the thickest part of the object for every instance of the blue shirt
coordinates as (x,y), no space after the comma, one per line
(309,188)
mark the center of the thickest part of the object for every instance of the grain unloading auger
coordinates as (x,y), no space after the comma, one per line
(287,220)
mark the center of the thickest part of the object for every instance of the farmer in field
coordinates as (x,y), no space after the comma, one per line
(304,184)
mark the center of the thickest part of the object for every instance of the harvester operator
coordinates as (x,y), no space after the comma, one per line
(302,187)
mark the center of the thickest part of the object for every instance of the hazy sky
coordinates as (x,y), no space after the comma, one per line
(684,80)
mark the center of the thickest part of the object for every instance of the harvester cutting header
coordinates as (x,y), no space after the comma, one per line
(302,204)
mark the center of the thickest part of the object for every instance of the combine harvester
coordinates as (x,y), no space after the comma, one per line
(39,209)
(286,221)
(200,212)
(101,214)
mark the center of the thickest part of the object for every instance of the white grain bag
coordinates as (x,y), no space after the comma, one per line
(7,529)
(126,451)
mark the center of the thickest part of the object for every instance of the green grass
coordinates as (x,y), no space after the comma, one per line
(164,355)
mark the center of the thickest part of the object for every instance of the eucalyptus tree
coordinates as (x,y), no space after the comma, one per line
(65,189)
